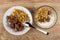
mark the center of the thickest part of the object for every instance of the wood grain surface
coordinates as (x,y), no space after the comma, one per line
(32,34)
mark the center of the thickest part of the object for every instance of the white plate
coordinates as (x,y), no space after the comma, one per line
(52,21)
(8,12)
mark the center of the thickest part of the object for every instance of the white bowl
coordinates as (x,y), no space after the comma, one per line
(8,12)
(53,18)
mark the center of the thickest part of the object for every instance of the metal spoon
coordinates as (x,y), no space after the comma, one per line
(28,24)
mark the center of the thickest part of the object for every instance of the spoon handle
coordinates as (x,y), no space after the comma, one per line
(37,28)
(42,31)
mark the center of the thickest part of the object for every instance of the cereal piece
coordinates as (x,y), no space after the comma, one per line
(48,19)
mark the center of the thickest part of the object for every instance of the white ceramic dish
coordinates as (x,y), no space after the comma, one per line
(53,18)
(8,12)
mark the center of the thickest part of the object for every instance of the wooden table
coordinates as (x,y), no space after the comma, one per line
(32,34)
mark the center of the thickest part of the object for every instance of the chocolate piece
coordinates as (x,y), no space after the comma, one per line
(15,29)
(12,25)
(17,26)
(49,12)
(21,28)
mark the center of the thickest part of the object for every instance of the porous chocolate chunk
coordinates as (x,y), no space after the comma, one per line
(12,25)
(15,30)
(17,26)
(49,12)
(21,28)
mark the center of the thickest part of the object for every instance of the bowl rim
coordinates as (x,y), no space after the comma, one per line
(49,7)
